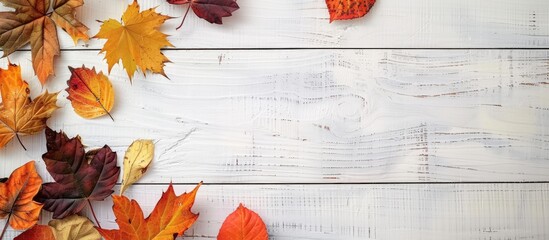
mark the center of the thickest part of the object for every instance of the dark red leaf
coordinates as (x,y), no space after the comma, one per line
(211,10)
(79,176)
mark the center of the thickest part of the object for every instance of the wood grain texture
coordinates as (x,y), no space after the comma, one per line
(396,211)
(321,116)
(305,23)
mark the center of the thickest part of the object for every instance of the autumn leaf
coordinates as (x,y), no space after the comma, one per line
(77,180)
(211,10)
(170,217)
(16,195)
(31,22)
(243,224)
(136,161)
(73,227)
(91,94)
(64,16)
(19,115)
(137,41)
(348,9)
(41,232)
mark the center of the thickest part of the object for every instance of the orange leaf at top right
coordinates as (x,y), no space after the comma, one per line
(243,224)
(348,9)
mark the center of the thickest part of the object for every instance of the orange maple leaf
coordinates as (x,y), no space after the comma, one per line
(31,22)
(16,195)
(243,224)
(170,217)
(348,9)
(19,115)
(137,42)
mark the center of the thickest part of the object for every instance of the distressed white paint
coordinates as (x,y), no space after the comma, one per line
(322,116)
(305,23)
(325,116)
(396,211)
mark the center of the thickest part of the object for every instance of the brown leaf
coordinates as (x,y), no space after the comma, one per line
(64,16)
(44,47)
(31,22)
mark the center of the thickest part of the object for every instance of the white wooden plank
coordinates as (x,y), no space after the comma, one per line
(391,24)
(462,211)
(321,116)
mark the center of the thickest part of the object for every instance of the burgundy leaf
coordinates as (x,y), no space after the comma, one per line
(79,176)
(211,10)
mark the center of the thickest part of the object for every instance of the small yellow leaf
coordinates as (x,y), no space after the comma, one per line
(136,161)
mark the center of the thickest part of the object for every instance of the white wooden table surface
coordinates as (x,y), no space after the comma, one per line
(427,119)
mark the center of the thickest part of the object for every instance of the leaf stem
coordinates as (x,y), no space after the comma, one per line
(182,21)
(108,113)
(19,139)
(93,213)
(5,227)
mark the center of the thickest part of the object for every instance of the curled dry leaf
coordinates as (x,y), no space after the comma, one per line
(73,227)
(137,41)
(348,9)
(243,223)
(91,94)
(77,179)
(16,195)
(19,115)
(210,10)
(136,162)
(31,22)
(170,217)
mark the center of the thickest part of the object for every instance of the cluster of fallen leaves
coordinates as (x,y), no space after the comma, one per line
(81,177)
(136,41)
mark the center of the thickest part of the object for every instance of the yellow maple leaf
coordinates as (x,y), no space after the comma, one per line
(137,41)
(18,114)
